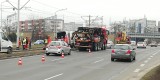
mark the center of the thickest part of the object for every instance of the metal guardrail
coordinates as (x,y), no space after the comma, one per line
(145,35)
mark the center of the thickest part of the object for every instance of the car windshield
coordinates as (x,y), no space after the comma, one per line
(123,47)
(140,42)
(55,44)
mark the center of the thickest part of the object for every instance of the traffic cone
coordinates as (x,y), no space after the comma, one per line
(43,58)
(62,56)
(20,61)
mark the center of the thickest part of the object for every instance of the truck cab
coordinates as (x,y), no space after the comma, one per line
(5,44)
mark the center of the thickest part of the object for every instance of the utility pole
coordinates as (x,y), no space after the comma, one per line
(89,20)
(18,16)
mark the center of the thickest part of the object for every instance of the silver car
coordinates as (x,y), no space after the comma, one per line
(58,47)
(123,51)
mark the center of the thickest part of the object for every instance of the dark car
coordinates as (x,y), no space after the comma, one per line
(123,51)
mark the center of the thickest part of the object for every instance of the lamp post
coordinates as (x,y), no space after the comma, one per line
(55,27)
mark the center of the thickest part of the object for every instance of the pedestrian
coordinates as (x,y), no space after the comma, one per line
(19,43)
(30,42)
(45,41)
(26,46)
(49,39)
(24,43)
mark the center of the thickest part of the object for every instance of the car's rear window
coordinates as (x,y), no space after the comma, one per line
(55,44)
(124,47)
(140,42)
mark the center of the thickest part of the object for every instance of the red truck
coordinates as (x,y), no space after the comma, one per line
(90,38)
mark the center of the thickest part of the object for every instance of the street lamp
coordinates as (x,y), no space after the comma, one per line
(55,27)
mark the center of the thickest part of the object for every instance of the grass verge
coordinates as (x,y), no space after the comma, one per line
(154,74)
(21,54)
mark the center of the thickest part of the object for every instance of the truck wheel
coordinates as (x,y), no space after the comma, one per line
(9,51)
(69,52)
(104,47)
(97,47)
(94,47)
(47,54)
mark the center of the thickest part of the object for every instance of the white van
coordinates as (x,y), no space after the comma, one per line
(5,44)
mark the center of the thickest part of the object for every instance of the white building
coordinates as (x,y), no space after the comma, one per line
(142,26)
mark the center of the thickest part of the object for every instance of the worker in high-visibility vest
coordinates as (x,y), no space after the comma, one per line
(24,43)
(45,41)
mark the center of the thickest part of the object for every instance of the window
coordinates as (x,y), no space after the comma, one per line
(123,47)
(65,44)
(3,36)
(55,44)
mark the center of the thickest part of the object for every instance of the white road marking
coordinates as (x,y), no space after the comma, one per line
(53,76)
(98,61)
(142,65)
(137,70)
(145,61)
(57,59)
(151,56)
(154,54)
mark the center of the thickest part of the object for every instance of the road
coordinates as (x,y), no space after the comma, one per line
(80,66)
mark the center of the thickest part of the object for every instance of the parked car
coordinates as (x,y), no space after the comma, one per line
(153,44)
(141,45)
(110,44)
(133,43)
(39,42)
(123,51)
(58,47)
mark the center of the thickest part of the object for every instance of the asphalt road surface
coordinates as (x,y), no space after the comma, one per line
(80,66)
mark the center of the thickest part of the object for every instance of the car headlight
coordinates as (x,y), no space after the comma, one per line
(46,48)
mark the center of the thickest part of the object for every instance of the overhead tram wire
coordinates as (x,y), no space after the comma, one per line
(57,8)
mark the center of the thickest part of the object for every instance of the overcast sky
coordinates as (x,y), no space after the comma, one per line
(111,10)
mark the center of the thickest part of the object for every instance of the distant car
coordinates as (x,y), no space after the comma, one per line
(58,47)
(123,51)
(133,43)
(39,42)
(141,45)
(153,44)
(110,44)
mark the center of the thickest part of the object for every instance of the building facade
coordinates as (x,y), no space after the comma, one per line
(40,24)
(142,26)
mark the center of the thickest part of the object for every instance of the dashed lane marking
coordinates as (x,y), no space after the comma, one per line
(99,61)
(142,65)
(53,76)
(151,56)
(137,70)
(145,61)
(57,59)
